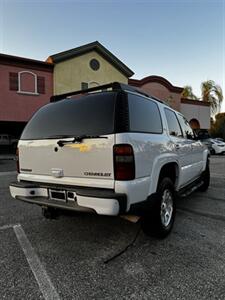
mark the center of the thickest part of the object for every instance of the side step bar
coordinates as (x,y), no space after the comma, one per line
(186,191)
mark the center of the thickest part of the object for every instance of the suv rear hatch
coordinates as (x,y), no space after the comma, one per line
(71,141)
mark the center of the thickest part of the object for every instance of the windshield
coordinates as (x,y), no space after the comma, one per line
(88,115)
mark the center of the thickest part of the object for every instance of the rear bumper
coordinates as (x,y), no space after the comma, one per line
(101,201)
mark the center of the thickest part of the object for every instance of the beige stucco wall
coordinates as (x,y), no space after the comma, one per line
(69,74)
(158,90)
(201,113)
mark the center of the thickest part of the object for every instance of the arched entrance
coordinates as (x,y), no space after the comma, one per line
(194,123)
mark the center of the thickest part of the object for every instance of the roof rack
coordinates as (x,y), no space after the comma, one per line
(115,86)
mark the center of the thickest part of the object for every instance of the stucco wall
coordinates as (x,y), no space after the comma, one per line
(69,74)
(158,90)
(20,107)
(201,113)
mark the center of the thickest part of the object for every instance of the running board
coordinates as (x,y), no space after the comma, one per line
(189,189)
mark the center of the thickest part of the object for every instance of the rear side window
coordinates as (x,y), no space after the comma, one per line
(187,131)
(174,127)
(88,115)
(144,115)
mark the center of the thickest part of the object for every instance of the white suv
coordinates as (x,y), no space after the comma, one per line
(112,152)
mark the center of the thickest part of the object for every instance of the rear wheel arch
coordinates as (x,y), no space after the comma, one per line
(161,169)
(171,171)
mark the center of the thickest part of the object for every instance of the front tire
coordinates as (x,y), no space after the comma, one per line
(205,179)
(158,222)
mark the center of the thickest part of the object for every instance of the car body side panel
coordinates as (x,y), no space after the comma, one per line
(151,152)
(147,147)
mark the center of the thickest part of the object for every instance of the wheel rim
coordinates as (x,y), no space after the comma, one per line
(166,211)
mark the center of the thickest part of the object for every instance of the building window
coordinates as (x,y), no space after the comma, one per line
(88,85)
(92,84)
(27,83)
(94,64)
(84,85)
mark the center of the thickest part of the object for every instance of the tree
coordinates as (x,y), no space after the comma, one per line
(213,94)
(188,93)
(218,126)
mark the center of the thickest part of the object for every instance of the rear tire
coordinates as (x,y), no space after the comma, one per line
(158,222)
(205,178)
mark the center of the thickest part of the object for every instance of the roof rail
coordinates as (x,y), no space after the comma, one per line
(115,86)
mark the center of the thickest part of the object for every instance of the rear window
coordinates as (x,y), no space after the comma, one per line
(88,115)
(144,115)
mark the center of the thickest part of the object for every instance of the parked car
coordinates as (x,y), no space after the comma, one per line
(219,139)
(218,147)
(208,143)
(7,140)
(113,153)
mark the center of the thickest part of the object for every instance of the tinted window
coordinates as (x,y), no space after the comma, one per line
(144,115)
(173,125)
(88,115)
(186,128)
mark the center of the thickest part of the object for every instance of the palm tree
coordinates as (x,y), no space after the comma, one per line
(188,93)
(213,94)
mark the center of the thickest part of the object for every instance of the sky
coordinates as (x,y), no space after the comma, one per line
(181,40)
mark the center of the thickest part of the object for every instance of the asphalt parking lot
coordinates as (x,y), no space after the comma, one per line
(64,258)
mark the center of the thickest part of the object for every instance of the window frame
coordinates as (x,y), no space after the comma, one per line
(35,83)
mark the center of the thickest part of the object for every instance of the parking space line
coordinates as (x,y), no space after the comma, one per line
(4,227)
(216,175)
(40,274)
(8,173)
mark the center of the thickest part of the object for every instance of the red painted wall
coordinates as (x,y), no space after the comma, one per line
(158,90)
(20,107)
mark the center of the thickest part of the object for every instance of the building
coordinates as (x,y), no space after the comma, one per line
(87,66)
(27,84)
(196,112)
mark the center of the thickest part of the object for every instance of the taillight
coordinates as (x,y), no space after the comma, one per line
(124,165)
(17,160)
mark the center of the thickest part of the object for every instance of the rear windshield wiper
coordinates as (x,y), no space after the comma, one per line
(79,138)
(59,136)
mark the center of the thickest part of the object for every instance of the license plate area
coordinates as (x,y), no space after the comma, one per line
(58,195)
